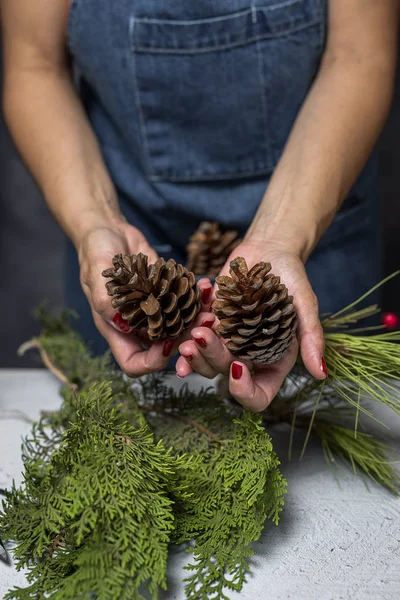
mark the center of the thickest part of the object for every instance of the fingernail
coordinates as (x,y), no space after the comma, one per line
(323,367)
(237,370)
(167,348)
(120,322)
(208,324)
(206,294)
(201,342)
(180,376)
(188,357)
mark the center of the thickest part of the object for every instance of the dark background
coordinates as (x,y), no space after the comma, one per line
(31,243)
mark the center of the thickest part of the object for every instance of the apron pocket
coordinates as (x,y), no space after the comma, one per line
(202,88)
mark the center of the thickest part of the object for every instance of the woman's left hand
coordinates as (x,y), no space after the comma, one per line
(254,386)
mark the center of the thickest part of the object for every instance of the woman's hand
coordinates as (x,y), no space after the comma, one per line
(96,251)
(254,386)
(321,161)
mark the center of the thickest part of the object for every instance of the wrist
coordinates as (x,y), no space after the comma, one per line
(296,240)
(90,221)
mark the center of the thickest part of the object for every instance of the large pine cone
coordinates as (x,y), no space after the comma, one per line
(256,314)
(209,249)
(162,297)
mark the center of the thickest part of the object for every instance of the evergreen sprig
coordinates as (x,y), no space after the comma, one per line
(108,485)
(244,475)
(121,471)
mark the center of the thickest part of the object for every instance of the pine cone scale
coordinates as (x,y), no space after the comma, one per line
(150,306)
(189,314)
(191,297)
(170,304)
(253,321)
(270,330)
(251,307)
(176,319)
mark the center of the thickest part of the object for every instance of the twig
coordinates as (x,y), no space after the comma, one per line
(35,344)
(186,420)
(125,438)
(4,556)
(58,542)
(17,414)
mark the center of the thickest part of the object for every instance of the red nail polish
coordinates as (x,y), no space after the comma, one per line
(201,342)
(208,324)
(120,322)
(188,357)
(167,347)
(206,294)
(323,367)
(237,370)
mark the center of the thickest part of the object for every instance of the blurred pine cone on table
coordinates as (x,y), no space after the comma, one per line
(209,249)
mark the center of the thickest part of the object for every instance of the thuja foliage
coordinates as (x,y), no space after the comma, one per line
(120,472)
(123,471)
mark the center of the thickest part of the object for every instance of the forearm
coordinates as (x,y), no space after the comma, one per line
(328,146)
(56,141)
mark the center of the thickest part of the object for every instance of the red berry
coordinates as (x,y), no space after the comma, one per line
(390,320)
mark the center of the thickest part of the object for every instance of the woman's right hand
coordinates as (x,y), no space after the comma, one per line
(96,249)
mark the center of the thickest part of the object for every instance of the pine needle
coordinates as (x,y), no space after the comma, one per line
(365,453)
(312,419)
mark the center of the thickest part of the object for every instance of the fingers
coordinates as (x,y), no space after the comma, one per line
(203,319)
(128,351)
(310,333)
(195,351)
(183,366)
(207,296)
(194,361)
(206,343)
(256,392)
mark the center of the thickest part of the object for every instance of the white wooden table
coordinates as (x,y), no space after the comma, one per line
(334,542)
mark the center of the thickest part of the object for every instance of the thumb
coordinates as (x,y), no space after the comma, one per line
(310,333)
(94,287)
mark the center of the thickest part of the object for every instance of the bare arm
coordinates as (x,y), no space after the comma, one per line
(47,121)
(55,139)
(337,126)
(330,142)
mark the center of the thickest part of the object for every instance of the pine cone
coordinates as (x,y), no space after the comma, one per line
(162,297)
(209,249)
(256,314)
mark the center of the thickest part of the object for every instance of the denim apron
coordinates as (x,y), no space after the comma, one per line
(192,102)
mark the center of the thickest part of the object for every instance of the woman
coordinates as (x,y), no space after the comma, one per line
(259,114)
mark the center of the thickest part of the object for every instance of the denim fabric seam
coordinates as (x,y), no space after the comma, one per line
(266,36)
(264,102)
(132,59)
(320,12)
(238,14)
(71,20)
(196,176)
(212,176)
